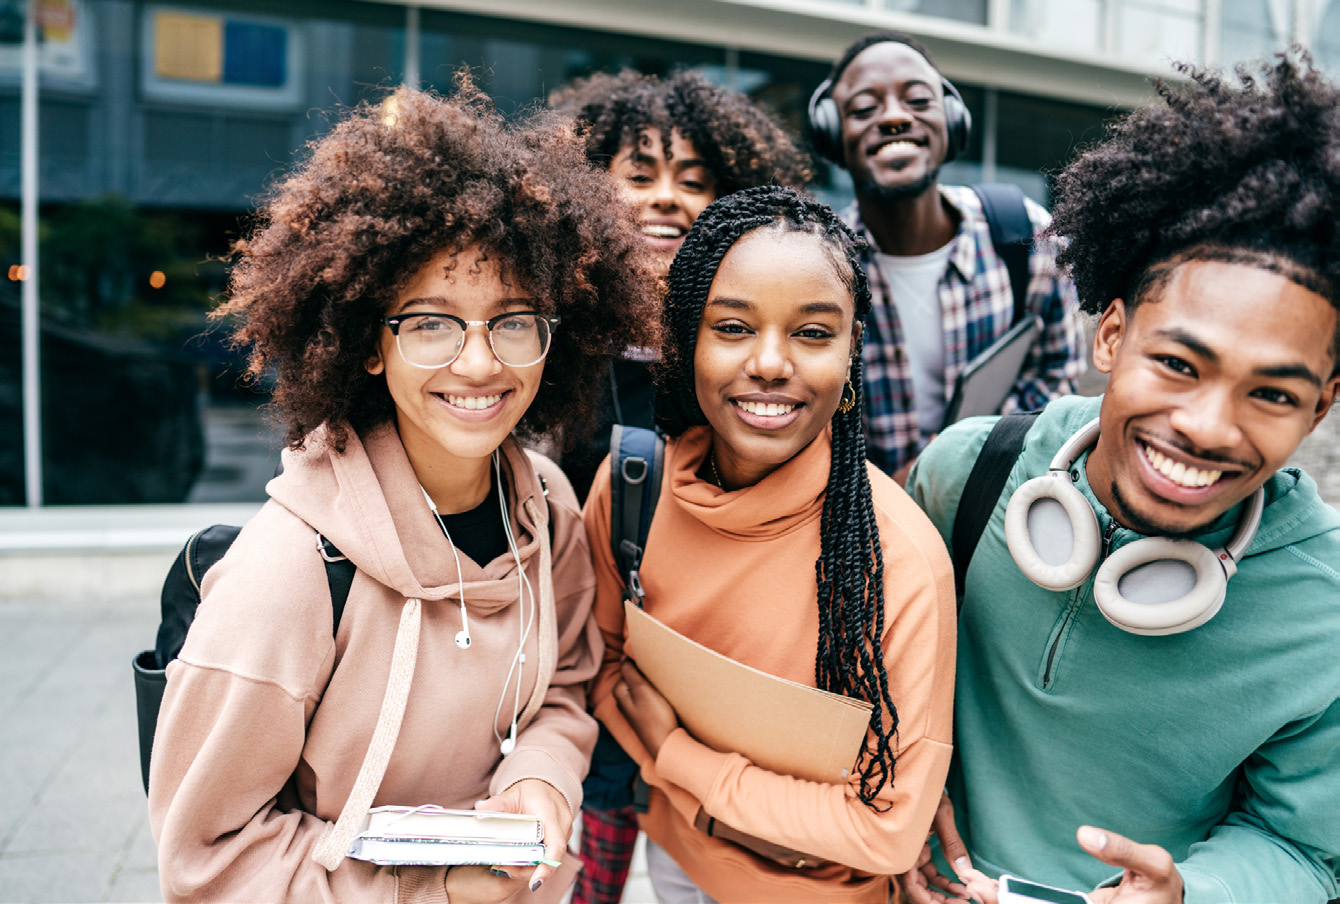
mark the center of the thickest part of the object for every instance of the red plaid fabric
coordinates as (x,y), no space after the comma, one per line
(607,853)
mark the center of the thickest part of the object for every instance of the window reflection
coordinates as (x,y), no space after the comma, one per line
(1254,28)
(1071,24)
(1326,46)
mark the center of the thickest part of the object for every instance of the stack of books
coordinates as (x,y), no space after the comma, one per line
(434,836)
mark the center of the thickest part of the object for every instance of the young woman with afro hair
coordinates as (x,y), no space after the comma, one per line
(427,283)
(775,543)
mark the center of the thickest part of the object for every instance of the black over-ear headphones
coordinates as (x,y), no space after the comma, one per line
(825,122)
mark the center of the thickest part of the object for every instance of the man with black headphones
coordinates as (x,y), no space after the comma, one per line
(942,288)
(1148,689)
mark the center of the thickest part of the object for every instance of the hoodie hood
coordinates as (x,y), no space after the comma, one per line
(368,502)
(785,500)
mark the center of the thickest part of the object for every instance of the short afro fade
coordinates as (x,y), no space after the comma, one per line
(1242,168)
(743,144)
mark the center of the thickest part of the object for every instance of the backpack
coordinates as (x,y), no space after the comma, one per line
(180,599)
(637,458)
(1011,235)
(982,489)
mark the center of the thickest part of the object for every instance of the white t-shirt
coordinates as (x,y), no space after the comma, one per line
(913,283)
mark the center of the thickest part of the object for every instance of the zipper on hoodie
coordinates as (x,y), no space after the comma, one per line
(1076,597)
(1059,634)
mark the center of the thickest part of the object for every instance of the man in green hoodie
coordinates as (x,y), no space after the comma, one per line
(1138,726)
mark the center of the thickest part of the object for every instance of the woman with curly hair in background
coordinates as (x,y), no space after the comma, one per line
(427,283)
(673,145)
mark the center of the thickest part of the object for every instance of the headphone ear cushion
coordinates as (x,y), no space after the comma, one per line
(1160,586)
(1052,532)
(958,121)
(825,124)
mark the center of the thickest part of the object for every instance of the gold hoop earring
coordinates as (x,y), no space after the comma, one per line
(847,404)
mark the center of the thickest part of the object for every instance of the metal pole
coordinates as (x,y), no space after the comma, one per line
(32,395)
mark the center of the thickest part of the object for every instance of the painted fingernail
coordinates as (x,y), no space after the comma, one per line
(536,884)
(500,873)
(961,864)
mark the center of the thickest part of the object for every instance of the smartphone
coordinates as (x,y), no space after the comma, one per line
(1014,890)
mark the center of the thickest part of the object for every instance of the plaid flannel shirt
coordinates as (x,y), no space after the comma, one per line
(978,307)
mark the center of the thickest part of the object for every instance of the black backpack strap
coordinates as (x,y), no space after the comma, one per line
(339,577)
(1011,235)
(637,457)
(982,489)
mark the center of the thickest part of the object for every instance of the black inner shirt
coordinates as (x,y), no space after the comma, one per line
(479,533)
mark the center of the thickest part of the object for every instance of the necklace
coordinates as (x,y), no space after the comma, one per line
(712,463)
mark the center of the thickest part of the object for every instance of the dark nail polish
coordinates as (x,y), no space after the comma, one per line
(499,873)
(536,884)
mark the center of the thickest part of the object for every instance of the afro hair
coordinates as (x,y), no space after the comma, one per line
(1242,168)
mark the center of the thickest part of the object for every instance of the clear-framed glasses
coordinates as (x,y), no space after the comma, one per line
(432,340)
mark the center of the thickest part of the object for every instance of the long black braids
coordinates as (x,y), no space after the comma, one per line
(850,567)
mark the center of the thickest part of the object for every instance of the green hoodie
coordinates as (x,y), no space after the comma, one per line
(1221,744)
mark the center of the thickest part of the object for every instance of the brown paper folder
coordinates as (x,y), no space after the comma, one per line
(783,726)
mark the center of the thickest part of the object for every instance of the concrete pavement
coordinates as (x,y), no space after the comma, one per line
(73,824)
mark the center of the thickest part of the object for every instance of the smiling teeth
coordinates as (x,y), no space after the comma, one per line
(474,403)
(894,146)
(766,410)
(662,232)
(1179,473)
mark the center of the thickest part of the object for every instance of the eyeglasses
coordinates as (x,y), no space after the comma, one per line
(518,338)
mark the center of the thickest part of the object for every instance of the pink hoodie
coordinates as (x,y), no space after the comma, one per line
(267,718)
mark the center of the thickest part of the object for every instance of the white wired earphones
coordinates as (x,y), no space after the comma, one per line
(524,589)
(463,635)
(524,623)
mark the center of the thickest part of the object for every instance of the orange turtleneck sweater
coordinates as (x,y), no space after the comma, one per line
(735,571)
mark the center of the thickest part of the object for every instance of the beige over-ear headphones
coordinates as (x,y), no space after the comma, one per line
(1153,586)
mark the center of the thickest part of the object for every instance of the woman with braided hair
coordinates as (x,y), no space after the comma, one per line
(672,146)
(777,545)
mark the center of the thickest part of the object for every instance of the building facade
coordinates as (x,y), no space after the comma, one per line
(161,124)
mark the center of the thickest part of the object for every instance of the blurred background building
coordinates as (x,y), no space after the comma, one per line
(161,123)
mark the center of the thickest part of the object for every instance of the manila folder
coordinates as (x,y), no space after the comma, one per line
(780,725)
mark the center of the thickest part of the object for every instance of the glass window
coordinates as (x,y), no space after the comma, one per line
(1254,28)
(1076,25)
(160,123)
(1156,31)
(520,63)
(962,10)
(1326,43)
(1037,137)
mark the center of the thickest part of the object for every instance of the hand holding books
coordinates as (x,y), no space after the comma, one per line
(540,799)
(526,825)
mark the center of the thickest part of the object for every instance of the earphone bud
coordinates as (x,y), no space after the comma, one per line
(1153,586)
(463,635)
(524,590)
